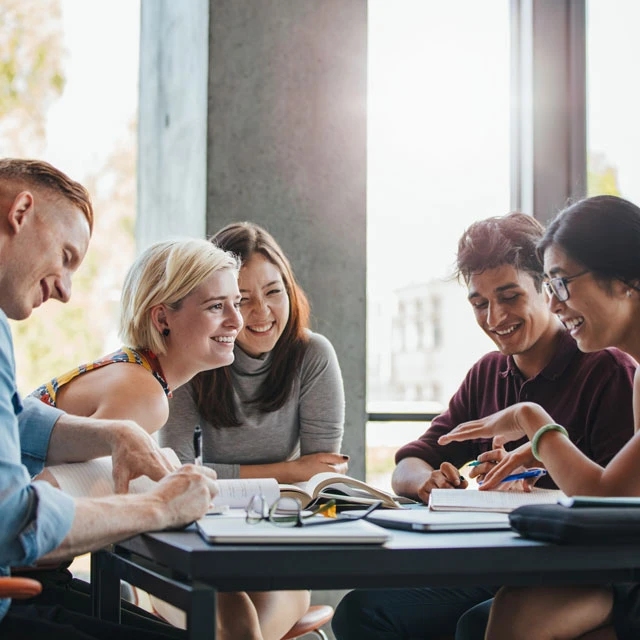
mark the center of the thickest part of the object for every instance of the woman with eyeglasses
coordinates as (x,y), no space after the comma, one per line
(591,254)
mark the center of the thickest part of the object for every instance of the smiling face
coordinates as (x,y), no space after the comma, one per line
(204,328)
(264,305)
(594,315)
(510,310)
(48,240)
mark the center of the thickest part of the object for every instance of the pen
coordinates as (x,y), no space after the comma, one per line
(529,473)
(475,463)
(197,445)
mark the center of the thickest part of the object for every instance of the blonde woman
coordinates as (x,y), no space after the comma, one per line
(179,316)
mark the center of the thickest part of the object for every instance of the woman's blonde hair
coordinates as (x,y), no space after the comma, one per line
(165,273)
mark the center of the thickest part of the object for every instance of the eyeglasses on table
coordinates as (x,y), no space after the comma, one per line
(288,512)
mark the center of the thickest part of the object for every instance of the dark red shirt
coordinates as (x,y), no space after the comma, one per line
(590,394)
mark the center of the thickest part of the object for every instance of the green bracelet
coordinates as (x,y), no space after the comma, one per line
(540,432)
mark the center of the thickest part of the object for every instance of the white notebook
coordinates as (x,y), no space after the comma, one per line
(423,519)
(499,501)
(230,530)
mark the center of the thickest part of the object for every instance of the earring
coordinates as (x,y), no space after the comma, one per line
(628,293)
(166,332)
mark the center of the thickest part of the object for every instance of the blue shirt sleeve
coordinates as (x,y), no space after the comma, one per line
(35,422)
(34,517)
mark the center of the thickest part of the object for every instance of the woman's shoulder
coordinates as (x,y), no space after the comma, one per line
(318,347)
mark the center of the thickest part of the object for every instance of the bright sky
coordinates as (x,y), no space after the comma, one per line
(101,95)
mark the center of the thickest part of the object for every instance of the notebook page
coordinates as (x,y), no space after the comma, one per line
(94,479)
(500,501)
(236,493)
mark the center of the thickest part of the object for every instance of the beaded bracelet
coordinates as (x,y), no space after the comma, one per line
(540,432)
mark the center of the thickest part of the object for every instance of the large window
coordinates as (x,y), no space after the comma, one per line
(613,98)
(438,159)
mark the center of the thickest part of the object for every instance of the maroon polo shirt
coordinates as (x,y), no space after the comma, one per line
(590,394)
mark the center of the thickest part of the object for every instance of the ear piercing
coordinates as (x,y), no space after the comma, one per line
(166,332)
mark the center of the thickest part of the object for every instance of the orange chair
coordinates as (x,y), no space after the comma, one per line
(315,617)
(19,588)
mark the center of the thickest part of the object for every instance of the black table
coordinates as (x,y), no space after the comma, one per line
(181,568)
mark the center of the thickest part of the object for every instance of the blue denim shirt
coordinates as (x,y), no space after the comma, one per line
(34,517)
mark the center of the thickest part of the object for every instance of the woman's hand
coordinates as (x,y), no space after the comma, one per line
(499,463)
(504,426)
(312,463)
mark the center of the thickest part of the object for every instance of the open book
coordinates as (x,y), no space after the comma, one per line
(94,479)
(344,488)
(499,501)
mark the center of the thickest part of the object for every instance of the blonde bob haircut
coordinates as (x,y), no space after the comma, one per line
(165,273)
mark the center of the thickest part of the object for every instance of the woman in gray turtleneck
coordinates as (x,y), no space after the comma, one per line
(278,410)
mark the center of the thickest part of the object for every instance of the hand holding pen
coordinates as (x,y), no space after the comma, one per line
(529,473)
(493,466)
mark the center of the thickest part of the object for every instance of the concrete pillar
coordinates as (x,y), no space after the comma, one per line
(257,111)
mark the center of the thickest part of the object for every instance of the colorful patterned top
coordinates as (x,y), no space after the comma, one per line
(48,392)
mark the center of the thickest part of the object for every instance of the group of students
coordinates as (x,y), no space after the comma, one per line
(216,333)
(562,306)
(189,308)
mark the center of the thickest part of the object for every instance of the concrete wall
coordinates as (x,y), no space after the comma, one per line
(287,149)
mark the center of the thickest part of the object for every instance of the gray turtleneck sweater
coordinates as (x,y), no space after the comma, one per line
(311,420)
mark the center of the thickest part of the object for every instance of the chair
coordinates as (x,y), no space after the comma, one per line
(315,617)
(19,588)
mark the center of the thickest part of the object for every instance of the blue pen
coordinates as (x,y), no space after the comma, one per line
(529,473)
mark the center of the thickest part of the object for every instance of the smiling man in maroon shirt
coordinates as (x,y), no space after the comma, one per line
(537,360)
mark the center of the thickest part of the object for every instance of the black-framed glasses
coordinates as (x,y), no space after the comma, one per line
(288,512)
(558,286)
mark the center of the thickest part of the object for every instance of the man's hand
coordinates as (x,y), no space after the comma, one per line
(186,494)
(134,453)
(446,477)
(177,500)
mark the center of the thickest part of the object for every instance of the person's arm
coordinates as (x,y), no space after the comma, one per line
(572,471)
(321,404)
(134,451)
(298,470)
(179,499)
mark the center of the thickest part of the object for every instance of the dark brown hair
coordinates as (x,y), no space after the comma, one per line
(42,175)
(213,389)
(502,240)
